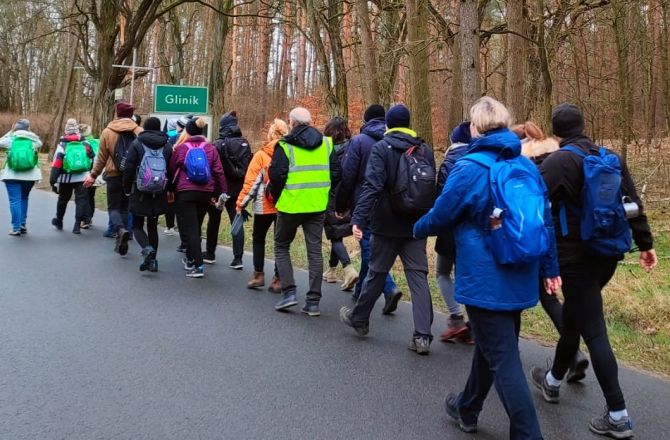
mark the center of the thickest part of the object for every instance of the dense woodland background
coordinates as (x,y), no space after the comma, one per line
(261,57)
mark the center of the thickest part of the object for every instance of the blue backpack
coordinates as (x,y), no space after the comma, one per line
(603,225)
(518,196)
(197,165)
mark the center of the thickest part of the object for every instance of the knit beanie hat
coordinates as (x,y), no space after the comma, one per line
(397,116)
(181,122)
(71,127)
(373,112)
(461,134)
(195,127)
(171,124)
(22,124)
(152,124)
(567,121)
(124,110)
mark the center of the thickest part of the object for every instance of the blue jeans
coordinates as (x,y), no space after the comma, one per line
(389,285)
(18,191)
(496,361)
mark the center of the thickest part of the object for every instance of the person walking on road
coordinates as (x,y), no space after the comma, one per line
(146,178)
(199,183)
(498,262)
(72,162)
(353,176)
(235,154)
(579,176)
(21,171)
(115,141)
(254,192)
(337,227)
(302,170)
(399,187)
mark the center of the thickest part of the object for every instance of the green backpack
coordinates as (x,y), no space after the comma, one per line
(21,156)
(76,158)
(95,145)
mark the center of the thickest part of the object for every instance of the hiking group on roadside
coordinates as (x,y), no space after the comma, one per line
(518,216)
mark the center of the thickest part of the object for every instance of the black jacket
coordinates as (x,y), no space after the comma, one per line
(374,205)
(235,153)
(337,228)
(564,175)
(308,138)
(142,204)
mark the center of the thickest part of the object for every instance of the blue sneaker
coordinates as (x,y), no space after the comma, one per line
(451,407)
(287,301)
(196,272)
(311,309)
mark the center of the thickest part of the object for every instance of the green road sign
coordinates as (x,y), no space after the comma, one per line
(180,99)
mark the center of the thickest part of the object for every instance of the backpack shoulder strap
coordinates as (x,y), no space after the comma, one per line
(483,159)
(573,149)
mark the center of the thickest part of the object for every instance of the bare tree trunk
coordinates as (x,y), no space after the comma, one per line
(516,53)
(65,86)
(216,80)
(369,56)
(469,34)
(620,10)
(417,35)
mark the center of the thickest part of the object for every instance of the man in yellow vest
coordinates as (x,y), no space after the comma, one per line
(304,166)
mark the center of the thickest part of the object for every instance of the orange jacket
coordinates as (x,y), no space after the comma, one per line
(256,180)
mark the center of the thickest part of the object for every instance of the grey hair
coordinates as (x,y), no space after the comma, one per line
(300,116)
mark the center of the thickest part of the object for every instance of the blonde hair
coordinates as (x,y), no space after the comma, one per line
(200,123)
(488,114)
(277,130)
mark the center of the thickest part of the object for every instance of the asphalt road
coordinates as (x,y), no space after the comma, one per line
(90,348)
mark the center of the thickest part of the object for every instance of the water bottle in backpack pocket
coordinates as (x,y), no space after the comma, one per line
(414,190)
(152,172)
(196,165)
(517,230)
(604,227)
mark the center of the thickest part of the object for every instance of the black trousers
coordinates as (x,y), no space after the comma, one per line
(117,203)
(148,237)
(213,225)
(583,316)
(170,215)
(262,223)
(91,203)
(65,191)
(238,241)
(192,207)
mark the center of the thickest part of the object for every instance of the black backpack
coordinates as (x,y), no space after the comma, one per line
(235,154)
(121,149)
(414,190)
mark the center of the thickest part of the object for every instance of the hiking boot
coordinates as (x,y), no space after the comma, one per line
(391,303)
(122,237)
(257,280)
(289,300)
(188,264)
(606,425)
(350,278)
(578,368)
(148,254)
(196,272)
(329,276)
(420,344)
(208,258)
(451,407)
(275,285)
(311,309)
(76,229)
(455,327)
(236,264)
(345,317)
(23,230)
(57,223)
(539,378)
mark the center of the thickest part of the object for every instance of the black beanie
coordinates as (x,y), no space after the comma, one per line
(152,124)
(194,128)
(397,116)
(567,121)
(373,112)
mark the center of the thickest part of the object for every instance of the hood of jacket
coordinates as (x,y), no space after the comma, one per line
(228,126)
(121,125)
(153,139)
(304,136)
(402,138)
(25,134)
(534,148)
(502,141)
(375,128)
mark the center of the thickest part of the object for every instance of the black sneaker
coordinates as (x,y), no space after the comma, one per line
(57,223)
(23,230)
(148,255)
(345,317)
(208,258)
(578,368)
(122,237)
(420,344)
(236,264)
(391,303)
(311,309)
(451,407)
(182,248)
(539,378)
(76,229)
(605,425)
(196,272)
(153,267)
(188,264)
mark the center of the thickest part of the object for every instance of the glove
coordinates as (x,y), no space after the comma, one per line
(54,188)
(223,198)
(245,215)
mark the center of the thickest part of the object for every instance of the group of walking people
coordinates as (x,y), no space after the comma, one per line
(517,214)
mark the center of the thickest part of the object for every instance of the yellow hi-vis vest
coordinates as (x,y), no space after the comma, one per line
(308,182)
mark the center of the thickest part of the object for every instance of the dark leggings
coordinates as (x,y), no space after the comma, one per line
(213,224)
(170,216)
(65,191)
(148,238)
(552,306)
(91,203)
(192,207)
(262,223)
(583,316)
(338,254)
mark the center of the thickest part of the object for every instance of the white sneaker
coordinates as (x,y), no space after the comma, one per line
(169,231)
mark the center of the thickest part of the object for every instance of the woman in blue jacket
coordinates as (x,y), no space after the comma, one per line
(494,294)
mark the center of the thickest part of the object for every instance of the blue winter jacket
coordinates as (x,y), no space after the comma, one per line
(356,161)
(465,205)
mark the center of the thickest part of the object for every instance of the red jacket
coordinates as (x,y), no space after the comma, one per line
(217,183)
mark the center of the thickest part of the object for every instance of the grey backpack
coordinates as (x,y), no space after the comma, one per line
(152,172)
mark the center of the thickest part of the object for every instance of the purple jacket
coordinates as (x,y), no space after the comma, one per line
(216,185)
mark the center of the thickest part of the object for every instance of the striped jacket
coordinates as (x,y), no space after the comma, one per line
(255,182)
